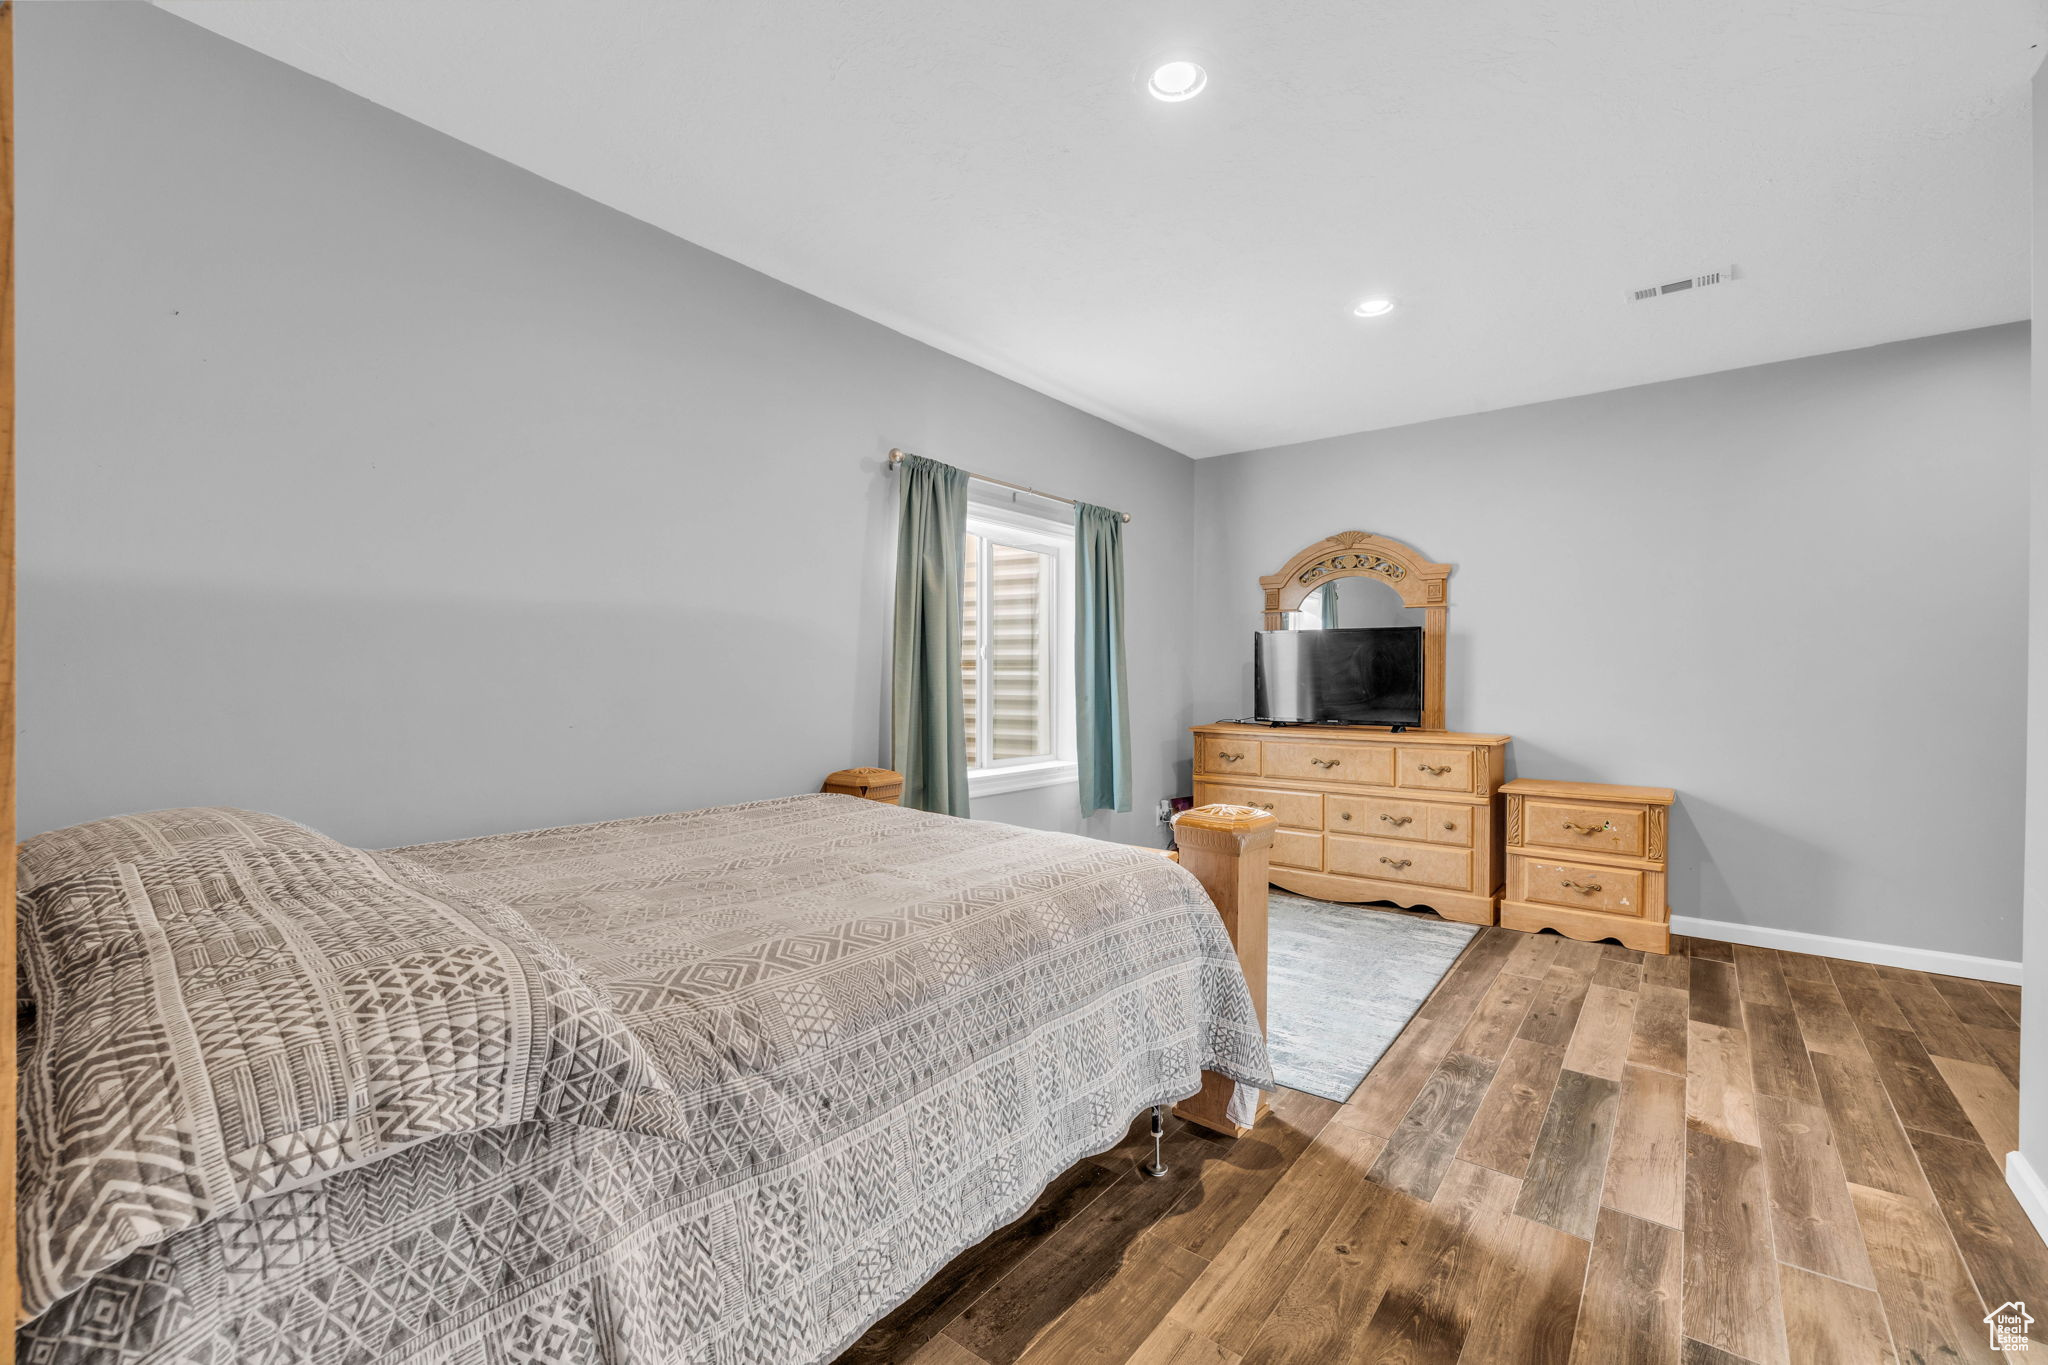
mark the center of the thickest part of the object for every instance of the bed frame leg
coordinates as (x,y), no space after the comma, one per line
(1156,1167)
(1228,848)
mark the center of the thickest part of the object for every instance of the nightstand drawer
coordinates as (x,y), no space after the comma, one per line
(1386,860)
(1444,770)
(1384,819)
(1231,757)
(1608,890)
(1367,766)
(1585,828)
(1302,810)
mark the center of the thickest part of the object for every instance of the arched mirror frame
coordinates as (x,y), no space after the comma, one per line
(1418,581)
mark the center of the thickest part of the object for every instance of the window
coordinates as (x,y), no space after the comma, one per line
(1312,614)
(1016,671)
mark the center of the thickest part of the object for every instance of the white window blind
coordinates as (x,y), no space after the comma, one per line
(1015,649)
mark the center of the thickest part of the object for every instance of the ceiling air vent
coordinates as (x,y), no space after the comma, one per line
(1700,281)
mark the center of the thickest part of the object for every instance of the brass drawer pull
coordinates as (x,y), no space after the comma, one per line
(1229,758)
(1586,829)
(1263,805)
(1583,888)
(1326,762)
(1344,815)
(1434,772)
(1448,825)
(1398,863)
(1397,820)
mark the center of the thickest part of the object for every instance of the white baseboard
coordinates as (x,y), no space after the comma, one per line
(1853,949)
(2028,1189)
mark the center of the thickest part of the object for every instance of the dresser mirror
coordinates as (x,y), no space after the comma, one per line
(1376,581)
(1352,603)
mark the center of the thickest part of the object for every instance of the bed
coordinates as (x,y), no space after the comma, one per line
(716,1086)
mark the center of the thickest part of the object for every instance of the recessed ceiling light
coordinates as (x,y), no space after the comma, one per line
(1177,81)
(1373,308)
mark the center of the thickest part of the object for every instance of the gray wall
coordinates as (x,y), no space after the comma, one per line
(2034,986)
(370,480)
(1617,608)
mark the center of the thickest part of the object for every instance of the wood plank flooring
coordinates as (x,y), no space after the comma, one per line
(1574,1154)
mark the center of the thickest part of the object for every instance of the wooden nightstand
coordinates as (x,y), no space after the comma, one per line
(869,784)
(1588,860)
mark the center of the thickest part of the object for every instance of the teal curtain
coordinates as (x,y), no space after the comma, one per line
(1328,594)
(1102,683)
(928,731)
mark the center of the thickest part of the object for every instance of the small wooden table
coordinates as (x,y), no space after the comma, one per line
(870,784)
(1588,860)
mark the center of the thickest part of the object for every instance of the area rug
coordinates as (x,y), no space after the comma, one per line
(1341,983)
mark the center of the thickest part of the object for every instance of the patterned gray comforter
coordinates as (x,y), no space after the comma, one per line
(861,1039)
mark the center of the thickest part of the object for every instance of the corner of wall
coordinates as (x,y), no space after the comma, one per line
(2022,1166)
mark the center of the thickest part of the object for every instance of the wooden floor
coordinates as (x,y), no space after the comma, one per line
(1574,1153)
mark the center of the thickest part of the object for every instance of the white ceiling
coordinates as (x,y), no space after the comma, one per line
(990,178)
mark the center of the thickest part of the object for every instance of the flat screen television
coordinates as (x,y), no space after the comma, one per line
(1357,677)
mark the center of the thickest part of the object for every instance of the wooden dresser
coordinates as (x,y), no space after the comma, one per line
(1588,860)
(1366,815)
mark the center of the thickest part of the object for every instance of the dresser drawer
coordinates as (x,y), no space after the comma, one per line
(1389,861)
(1572,825)
(1297,848)
(1301,810)
(1608,890)
(1444,770)
(1367,764)
(1387,819)
(1231,757)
